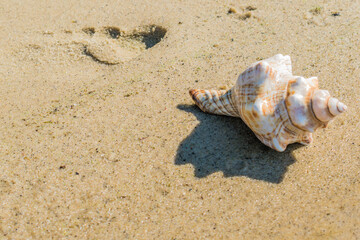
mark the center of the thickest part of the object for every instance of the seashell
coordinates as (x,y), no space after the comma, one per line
(278,107)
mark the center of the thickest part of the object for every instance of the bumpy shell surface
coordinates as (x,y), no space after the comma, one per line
(277,106)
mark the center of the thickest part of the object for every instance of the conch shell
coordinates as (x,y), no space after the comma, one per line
(278,107)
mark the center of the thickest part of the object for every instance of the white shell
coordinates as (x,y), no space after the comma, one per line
(278,107)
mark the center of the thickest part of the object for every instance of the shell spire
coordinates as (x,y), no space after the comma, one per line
(326,107)
(278,107)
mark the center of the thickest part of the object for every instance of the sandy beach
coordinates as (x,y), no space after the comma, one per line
(100,139)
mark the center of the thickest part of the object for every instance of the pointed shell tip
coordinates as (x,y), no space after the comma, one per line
(192,91)
(193,94)
(341,107)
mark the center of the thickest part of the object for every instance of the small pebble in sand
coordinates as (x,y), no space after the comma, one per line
(89,30)
(47,33)
(251,8)
(232,10)
(245,16)
(316,10)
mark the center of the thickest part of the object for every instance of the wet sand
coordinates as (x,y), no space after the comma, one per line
(101,140)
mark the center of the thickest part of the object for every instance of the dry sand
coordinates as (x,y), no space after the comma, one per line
(100,139)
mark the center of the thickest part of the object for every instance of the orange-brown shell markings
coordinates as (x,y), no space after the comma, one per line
(214,101)
(259,93)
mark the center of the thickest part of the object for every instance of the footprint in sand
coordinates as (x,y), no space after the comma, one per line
(111,45)
(104,45)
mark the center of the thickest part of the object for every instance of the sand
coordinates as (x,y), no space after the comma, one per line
(100,139)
